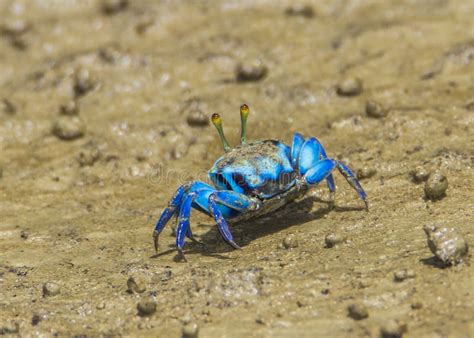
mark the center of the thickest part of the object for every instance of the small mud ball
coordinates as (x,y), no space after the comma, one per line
(68,127)
(446,244)
(302,10)
(435,186)
(114,6)
(401,275)
(393,329)
(357,311)
(375,110)
(420,174)
(51,289)
(136,285)
(190,330)
(249,71)
(69,108)
(333,239)
(146,307)
(366,172)
(290,242)
(349,87)
(196,118)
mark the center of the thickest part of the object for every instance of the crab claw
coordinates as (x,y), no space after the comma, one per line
(156,235)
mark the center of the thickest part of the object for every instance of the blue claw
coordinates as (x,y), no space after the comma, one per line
(298,141)
(309,155)
(319,171)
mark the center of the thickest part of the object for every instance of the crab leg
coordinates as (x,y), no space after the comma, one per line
(183,219)
(233,200)
(322,170)
(168,212)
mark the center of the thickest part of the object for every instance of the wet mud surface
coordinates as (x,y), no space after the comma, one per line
(104,112)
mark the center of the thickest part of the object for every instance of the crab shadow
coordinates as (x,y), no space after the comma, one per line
(296,213)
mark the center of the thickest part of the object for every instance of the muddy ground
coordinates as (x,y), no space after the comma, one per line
(105,112)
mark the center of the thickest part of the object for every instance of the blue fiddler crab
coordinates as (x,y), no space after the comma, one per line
(251,180)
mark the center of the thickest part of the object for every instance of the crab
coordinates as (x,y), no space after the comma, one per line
(251,180)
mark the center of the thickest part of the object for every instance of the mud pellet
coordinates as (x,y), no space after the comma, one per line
(15,27)
(136,285)
(435,186)
(69,108)
(393,329)
(146,307)
(357,311)
(402,274)
(416,305)
(190,330)
(51,289)
(196,118)
(290,241)
(100,306)
(349,87)
(302,10)
(333,239)
(375,110)
(82,81)
(114,6)
(250,71)
(68,127)
(24,234)
(420,174)
(446,243)
(365,172)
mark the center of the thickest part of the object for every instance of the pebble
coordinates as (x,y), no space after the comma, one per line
(146,307)
(15,27)
(393,329)
(24,234)
(51,289)
(250,71)
(375,109)
(349,87)
(401,275)
(446,244)
(435,186)
(196,118)
(101,306)
(190,330)
(303,10)
(70,108)
(366,172)
(114,6)
(136,285)
(333,239)
(82,81)
(357,311)
(420,174)
(69,127)
(290,241)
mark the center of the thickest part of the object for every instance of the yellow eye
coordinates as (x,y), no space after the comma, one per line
(216,119)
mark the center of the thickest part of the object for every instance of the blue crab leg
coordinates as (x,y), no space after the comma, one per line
(168,212)
(347,173)
(323,168)
(183,219)
(231,200)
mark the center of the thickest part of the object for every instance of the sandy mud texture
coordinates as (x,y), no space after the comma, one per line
(104,111)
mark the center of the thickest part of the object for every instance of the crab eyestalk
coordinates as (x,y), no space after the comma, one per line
(244,113)
(217,122)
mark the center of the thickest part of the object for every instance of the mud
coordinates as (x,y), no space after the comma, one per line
(79,211)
